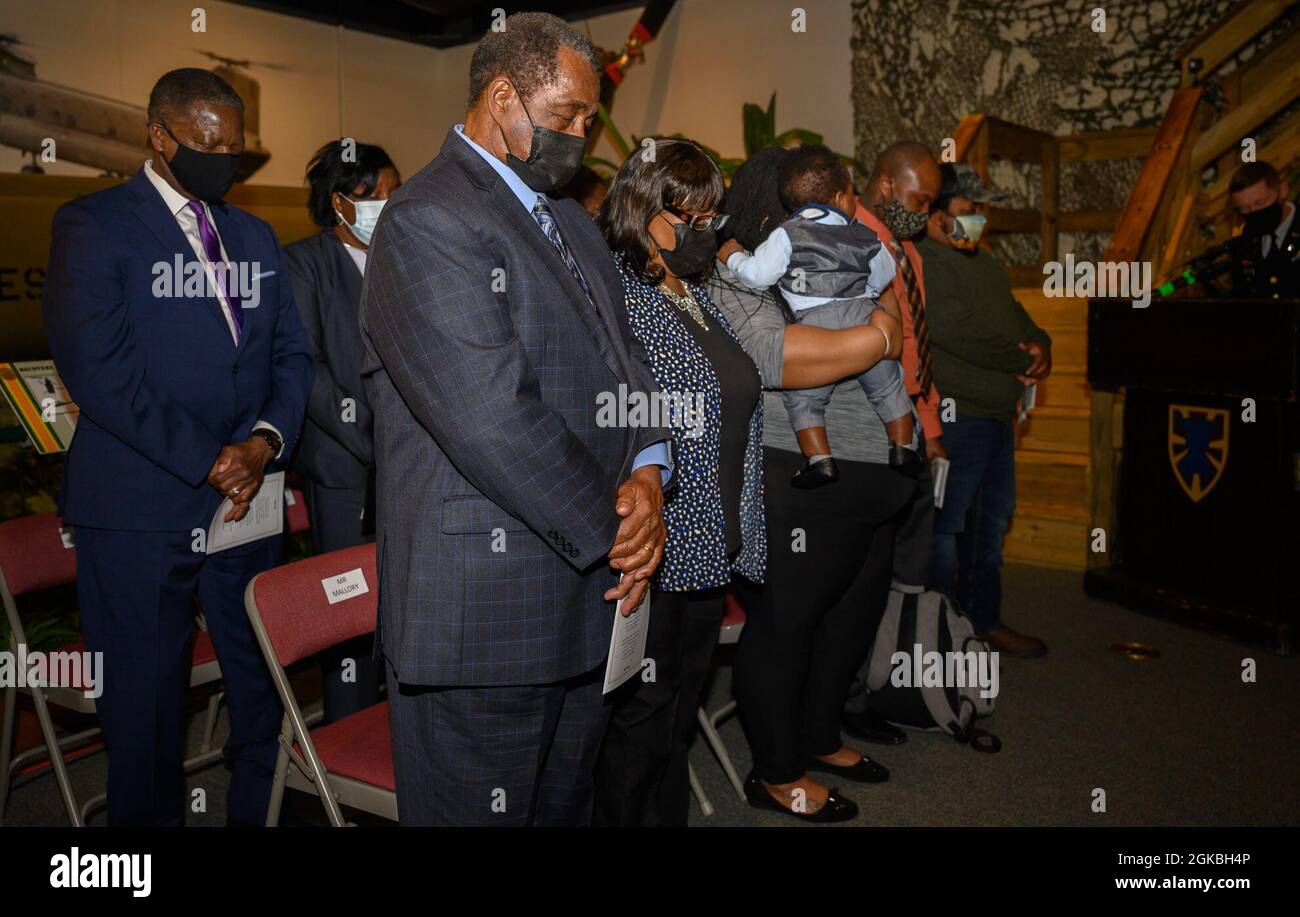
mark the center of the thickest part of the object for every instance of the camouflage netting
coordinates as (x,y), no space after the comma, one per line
(919,66)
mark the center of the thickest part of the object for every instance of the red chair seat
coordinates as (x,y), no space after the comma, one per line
(204,652)
(359,746)
(733,614)
(295,513)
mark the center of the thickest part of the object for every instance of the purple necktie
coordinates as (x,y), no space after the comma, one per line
(212,246)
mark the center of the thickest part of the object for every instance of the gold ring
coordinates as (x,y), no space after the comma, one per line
(646,548)
(235,491)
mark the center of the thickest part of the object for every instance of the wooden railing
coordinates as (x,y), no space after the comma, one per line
(979,139)
(1174,213)
(1178,207)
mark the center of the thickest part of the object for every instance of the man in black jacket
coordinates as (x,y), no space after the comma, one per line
(986,351)
(1266,256)
(349,184)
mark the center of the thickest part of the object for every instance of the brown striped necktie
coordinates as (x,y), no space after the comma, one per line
(916,307)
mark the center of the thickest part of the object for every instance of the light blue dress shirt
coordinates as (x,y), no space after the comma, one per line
(656,454)
(771,260)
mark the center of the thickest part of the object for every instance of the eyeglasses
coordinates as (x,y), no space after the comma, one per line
(713,221)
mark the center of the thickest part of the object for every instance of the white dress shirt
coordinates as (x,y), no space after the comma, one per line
(358,256)
(179,207)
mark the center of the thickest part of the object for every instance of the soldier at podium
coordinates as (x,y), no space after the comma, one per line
(1266,256)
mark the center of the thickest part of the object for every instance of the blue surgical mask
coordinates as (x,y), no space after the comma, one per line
(367,217)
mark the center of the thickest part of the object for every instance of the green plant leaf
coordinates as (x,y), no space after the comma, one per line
(615,137)
(757,131)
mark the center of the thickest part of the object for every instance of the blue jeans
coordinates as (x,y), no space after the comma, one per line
(966,556)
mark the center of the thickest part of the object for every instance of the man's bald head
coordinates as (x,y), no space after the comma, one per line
(906,172)
(900,157)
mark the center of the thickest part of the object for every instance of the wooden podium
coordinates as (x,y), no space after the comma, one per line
(1205,514)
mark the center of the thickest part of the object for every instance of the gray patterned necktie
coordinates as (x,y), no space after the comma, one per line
(545,219)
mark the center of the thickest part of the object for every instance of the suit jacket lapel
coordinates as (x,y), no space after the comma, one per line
(348,277)
(153,212)
(503,201)
(607,300)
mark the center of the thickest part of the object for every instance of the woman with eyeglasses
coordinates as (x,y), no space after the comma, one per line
(660,219)
(349,183)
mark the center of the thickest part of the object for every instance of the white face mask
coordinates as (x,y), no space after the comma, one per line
(367,217)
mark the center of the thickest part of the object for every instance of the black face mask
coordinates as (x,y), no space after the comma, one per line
(553,157)
(695,251)
(207,176)
(1265,221)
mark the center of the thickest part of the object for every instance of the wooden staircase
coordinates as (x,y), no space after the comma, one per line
(1050,524)
(1067,450)
(1179,206)
(1053,469)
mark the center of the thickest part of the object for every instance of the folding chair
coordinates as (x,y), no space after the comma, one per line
(733,622)
(296,518)
(301,609)
(36,553)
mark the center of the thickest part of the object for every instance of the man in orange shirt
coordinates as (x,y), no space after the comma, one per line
(896,205)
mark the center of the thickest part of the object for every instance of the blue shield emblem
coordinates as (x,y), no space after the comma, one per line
(1198,447)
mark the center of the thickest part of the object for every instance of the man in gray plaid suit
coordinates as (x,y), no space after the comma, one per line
(493,321)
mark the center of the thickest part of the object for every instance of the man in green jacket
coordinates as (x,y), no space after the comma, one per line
(986,350)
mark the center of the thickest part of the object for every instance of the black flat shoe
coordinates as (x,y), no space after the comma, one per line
(905,461)
(872,727)
(865,771)
(837,808)
(816,474)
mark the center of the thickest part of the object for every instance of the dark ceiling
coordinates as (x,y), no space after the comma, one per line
(436,23)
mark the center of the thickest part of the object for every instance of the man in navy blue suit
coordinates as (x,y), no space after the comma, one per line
(187,390)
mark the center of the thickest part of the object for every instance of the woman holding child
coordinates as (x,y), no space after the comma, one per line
(830,549)
(661,220)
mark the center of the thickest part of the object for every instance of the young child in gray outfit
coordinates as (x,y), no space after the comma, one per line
(831,271)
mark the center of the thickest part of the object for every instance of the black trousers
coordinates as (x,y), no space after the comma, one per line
(912,535)
(830,555)
(350,673)
(641,775)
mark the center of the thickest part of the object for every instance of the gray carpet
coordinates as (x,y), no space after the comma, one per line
(1177,740)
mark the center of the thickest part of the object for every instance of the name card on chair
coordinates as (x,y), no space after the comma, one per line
(345,586)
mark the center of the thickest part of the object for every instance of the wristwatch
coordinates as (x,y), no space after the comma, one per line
(272,439)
